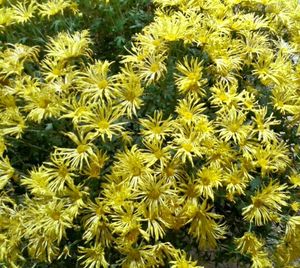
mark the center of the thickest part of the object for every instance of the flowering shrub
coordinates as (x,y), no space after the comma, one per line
(180,148)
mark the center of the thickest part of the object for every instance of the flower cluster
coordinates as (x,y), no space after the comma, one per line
(214,162)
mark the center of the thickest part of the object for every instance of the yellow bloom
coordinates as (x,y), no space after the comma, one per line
(158,152)
(182,261)
(261,260)
(236,180)
(95,222)
(129,90)
(6,171)
(272,158)
(93,256)
(204,226)
(155,127)
(295,179)
(152,68)
(104,119)
(66,46)
(263,124)
(190,109)
(231,124)
(292,227)
(248,243)
(77,157)
(189,79)
(209,178)
(59,174)
(132,165)
(156,193)
(53,7)
(97,162)
(37,182)
(42,104)
(265,203)
(97,83)
(75,108)
(23,12)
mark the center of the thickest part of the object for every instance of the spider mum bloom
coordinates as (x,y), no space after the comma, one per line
(77,157)
(189,79)
(182,261)
(265,203)
(204,226)
(155,128)
(96,82)
(132,164)
(248,243)
(66,46)
(190,109)
(232,125)
(129,90)
(187,144)
(59,175)
(95,222)
(53,7)
(156,193)
(23,12)
(6,171)
(104,120)
(208,179)
(152,68)
(93,256)
(236,180)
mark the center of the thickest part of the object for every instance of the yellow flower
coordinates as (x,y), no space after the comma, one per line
(295,206)
(265,203)
(59,174)
(271,158)
(236,180)
(231,124)
(204,226)
(129,90)
(127,224)
(157,151)
(75,108)
(95,222)
(96,82)
(77,157)
(93,256)
(248,243)
(189,80)
(152,68)
(53,7)
(181,261)
(156,193)
(190,109)
(295,179)
(132,165)
(42,104)
(37,182)
(6,171)
(66,46)
(156,128)
(97,162)
(209,179)
(292,227)
(263,124)
(104,119)
(261,260)
(23,13)
(6,18)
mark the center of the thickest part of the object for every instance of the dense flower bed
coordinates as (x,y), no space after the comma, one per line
(149,134)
